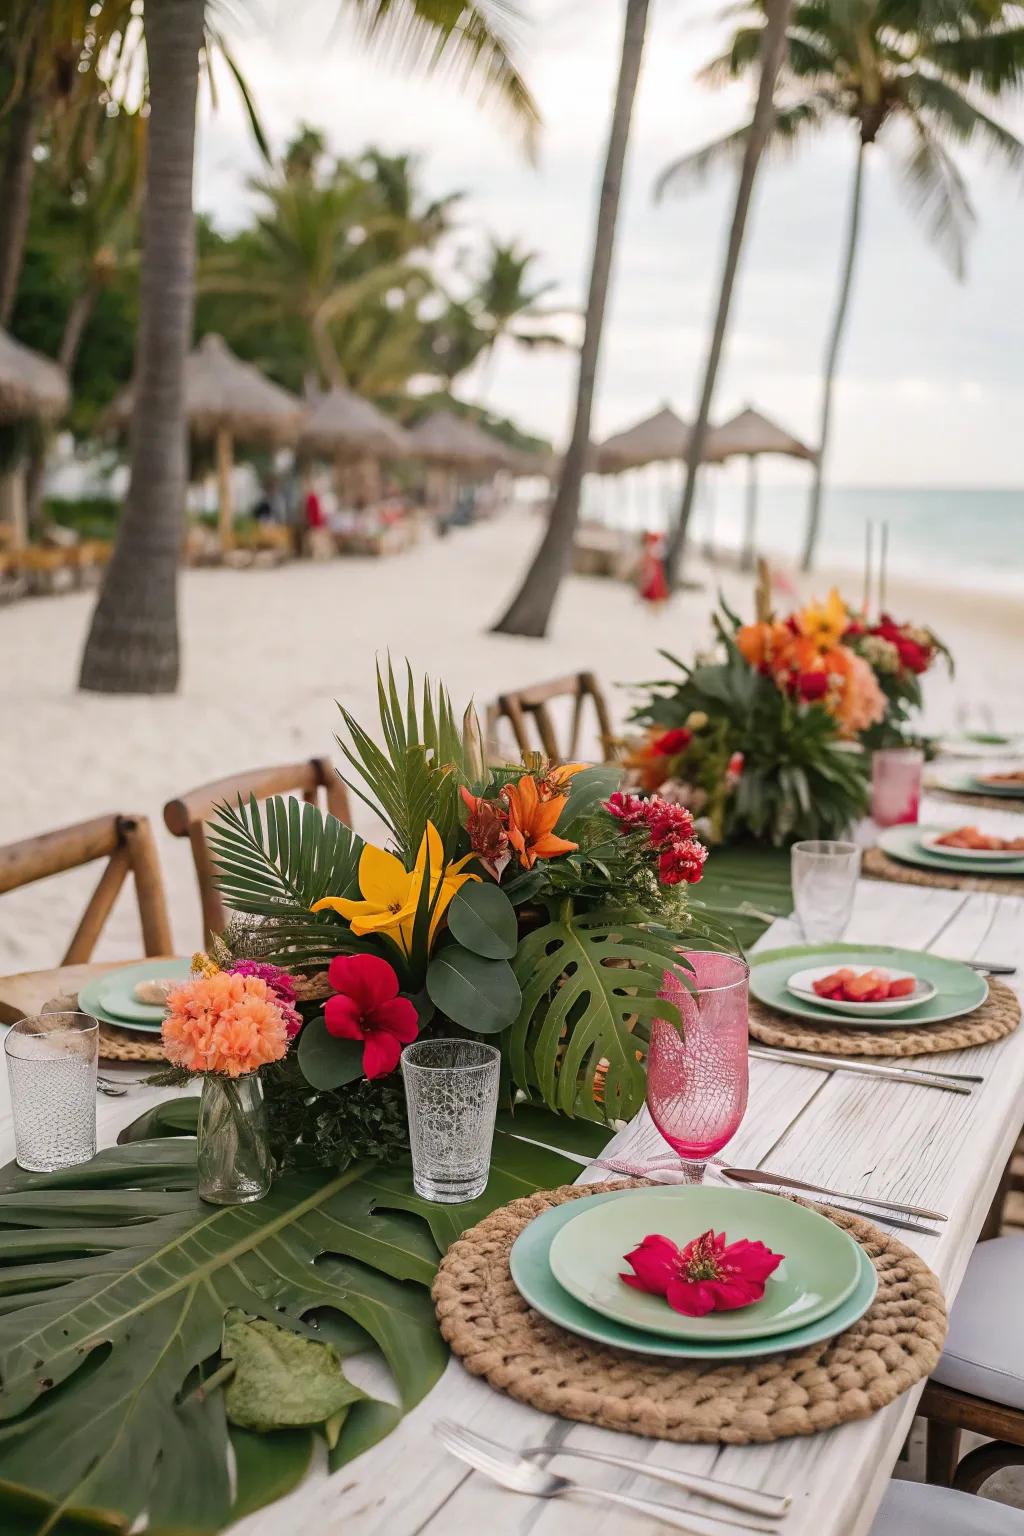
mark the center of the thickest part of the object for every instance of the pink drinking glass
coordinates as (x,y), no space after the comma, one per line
(896,785)
(697,1085)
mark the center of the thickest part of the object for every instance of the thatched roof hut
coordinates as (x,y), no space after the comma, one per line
(343,424)
(30,384)
(752,434)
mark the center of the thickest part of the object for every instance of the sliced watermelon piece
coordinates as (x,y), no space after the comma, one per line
(827,986)
(904,987)
(860,989)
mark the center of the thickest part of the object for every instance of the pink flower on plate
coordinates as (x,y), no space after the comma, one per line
(708,1275)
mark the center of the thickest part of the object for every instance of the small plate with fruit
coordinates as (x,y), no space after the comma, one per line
(971,843)
(861,991)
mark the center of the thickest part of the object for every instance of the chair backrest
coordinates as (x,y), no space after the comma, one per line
(188,814)
(126,842)
(529,713)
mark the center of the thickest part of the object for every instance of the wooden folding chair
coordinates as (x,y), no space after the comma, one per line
(126,842)
(187,816)
(528,712)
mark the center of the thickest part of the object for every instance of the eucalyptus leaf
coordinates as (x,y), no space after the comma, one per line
(327,1061)
(281,1380)
(481,995)
(482,919)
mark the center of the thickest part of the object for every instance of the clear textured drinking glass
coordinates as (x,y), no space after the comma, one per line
(451,1093)
(51,1067)
(824,876)
(697,1081)
(896,774)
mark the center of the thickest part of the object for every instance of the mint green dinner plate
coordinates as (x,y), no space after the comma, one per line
(971,784)
(959,990)
(820,1267)
(535,1282)
(110,997)
(904,843)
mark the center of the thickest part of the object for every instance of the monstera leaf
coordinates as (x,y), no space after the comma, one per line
(116,1282)
(590,987)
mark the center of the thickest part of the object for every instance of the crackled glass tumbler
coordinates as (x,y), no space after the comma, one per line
(697,1082)
(824,877)
(51,1066)
(451,1094)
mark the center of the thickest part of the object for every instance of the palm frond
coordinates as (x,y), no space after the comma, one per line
(416,778)
(938,192)
(276,864)
(792,122)
(475,43)
(952,114)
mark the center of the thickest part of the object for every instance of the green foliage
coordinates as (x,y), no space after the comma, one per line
(482,919)
(479,995)
(590,984)
(416,778)
(119,1284)
(282,1380)
(326,1061)
(275,864)
(333,1128)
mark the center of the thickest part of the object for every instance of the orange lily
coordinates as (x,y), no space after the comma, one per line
(531,822)
(391,892)
(556,780)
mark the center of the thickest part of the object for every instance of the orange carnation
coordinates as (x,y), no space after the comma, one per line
(224,1023)
(859,701)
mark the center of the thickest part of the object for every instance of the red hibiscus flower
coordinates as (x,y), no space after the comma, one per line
(672,742)
(367,1007)
(708,1275)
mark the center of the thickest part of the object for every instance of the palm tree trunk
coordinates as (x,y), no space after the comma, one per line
(16,194)
(832,356)
(74,329)
(530,609)
(773,51)
(133,642)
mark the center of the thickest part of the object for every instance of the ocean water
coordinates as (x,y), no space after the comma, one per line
(974,538)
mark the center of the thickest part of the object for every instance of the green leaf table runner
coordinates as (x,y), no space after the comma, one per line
(115,1284)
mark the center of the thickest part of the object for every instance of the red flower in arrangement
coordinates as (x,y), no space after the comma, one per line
(915,649)
(672,742)
(669,823)
(367,1007)
(734,768)
(681,861)
(630,810)
(708,1275)
(812,685)
(487,826)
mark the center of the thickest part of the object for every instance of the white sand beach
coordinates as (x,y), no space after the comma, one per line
(267,652)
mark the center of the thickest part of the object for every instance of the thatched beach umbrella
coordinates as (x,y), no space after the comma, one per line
(228,400)
(457,443)
(658,438)
(752,434)
(345,425)
(30,384)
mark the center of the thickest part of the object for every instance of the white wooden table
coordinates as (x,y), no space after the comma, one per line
(855,1133)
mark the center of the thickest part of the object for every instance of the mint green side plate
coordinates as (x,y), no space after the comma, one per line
(109,997)
(904,844)
(959,989)
(820,1264)
(533,1279)
(970,784)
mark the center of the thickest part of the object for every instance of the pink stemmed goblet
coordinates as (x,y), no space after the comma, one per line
(697,1080)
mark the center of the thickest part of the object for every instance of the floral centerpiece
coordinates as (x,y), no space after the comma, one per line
(755,739)
(530,903)
(899,655)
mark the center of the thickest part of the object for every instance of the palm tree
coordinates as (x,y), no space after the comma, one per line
(877,64)
(133,641)
(530,610)
(509,304)
(770,53)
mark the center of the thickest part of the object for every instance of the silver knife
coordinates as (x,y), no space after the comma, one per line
(952,1082)
(991,967)
(761,1176)
(891,1213)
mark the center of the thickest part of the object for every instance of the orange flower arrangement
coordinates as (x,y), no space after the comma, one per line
(224,1023)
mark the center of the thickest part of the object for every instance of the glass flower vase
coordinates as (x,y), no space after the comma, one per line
(233,1159)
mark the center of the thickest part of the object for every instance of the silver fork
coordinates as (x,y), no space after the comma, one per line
(522,1477)
(112,1090)
(772,1505)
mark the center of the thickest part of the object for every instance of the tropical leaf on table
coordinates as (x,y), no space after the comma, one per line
(274,864)
(416,777)
(590,984)
(115,1285)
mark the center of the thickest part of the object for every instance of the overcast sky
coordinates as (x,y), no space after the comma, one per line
(932,389)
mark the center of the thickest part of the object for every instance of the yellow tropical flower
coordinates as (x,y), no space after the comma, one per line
(824,623)
(391,892)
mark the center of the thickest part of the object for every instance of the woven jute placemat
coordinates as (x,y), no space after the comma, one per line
(998,1015)
(980,802)
(499,1337)
(878,866)
(117,1044)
